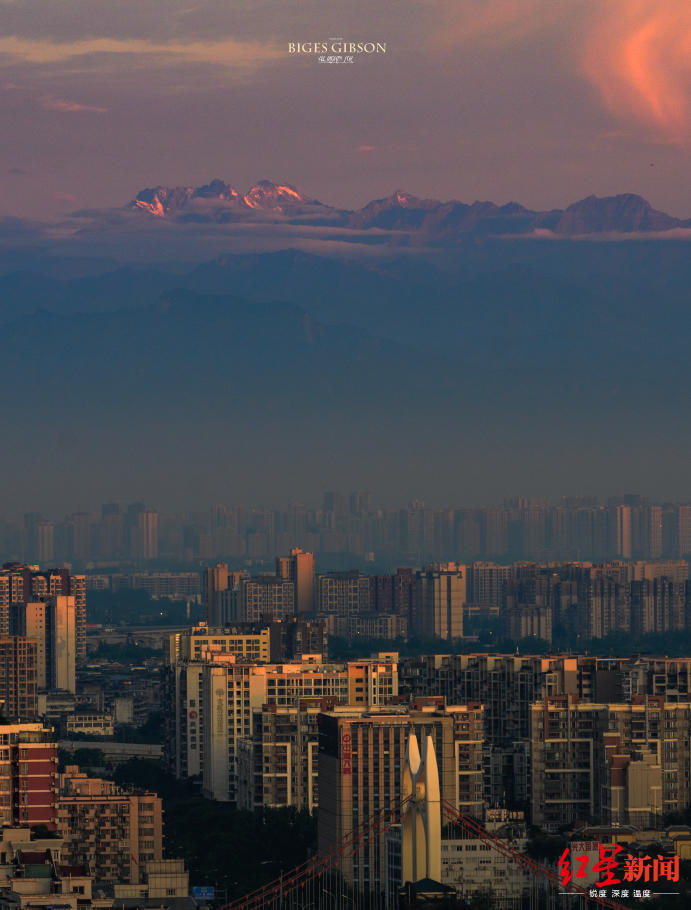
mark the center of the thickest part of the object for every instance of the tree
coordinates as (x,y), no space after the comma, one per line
(42,832)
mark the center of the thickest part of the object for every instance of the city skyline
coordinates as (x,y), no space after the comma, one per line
(367,501)
(353,528)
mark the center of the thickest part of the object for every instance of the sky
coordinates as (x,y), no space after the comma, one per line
(527,100)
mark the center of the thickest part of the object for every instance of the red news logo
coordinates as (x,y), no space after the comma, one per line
(610,863)
(346,754)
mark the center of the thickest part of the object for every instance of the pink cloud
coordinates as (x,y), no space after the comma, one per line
(638,55)
(366,148)
(63,106)
(65,197)
(493,22)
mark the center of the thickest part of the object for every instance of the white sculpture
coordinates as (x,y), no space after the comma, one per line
(421,835)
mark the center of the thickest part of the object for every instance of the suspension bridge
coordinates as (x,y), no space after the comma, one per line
(370,867)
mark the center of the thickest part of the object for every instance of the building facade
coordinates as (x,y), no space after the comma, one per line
(27,583)
(28,775)
(440,598)
(361,768)
(232,693)
(52,624)
(18,677)
(114,832)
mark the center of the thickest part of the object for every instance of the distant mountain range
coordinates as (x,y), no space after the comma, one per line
(426,219)
(201,337)
(217,199)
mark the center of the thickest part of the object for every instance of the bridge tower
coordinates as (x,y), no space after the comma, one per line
(421,835)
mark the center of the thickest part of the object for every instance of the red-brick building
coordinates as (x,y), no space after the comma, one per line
(28,775)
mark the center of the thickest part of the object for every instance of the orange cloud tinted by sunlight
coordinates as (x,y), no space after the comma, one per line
(493,22)
(227,52)
(639,57)
(70,107)
(637,53)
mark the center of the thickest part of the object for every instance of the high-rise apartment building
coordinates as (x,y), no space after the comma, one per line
(393,594)
(77,537)
(343,593)
(299,568)
(176,585)
(646,540)
(231,693)
(52,624)
(604,607)
(528,621)
(182,695)
(266,597)
(372,626)
(658,732)
(486,583)
(186,656)
(45,541)
(669,569)
(23,583)
(115,833)
(210,701)
(201,642)
(18,677)
(277,766)
(28,771)
(63,642)
(215,579)
(668,677)
(506,685)
(495,541)
(440,597)
(632,793)
(567,757)
(620,531)
(146,536)
(683,531)
(33,620)
(296,636)
(134,510)
(221,595)
(658,606)
(625,762)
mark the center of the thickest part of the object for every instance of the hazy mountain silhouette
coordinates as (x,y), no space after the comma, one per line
(433,350)
(426,219)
